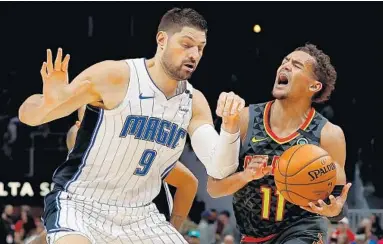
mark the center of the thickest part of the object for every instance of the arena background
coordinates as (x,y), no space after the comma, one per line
(236,58)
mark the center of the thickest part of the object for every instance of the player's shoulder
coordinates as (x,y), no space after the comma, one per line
(198,95)
(199,100)
(332,134)
(115,68)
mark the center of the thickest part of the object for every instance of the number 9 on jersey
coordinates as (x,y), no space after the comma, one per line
(145,162)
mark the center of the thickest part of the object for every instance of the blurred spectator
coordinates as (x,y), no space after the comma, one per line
(228,239)
(224,226)
(25,226)
(193,237)
(376,229)
(36,232)
(207,227)
(342,239)
(343,229)
(363,233)
(7,225)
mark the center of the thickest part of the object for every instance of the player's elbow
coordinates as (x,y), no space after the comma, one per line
(191,184)
(28,119)
(212,188)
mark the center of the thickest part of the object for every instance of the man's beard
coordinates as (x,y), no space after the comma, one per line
(173,71)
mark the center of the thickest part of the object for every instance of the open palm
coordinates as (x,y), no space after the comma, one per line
(55,78)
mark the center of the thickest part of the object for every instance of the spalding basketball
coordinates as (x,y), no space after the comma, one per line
(305,173)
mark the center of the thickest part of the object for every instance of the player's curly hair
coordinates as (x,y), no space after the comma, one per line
(176,18)
(324,71)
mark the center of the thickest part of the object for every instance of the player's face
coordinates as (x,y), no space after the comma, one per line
(182,53)
(295,77)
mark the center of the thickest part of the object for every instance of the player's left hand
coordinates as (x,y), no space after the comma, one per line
(335,206)
(229,107)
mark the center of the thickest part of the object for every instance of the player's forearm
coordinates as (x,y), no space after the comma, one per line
(218,153)
(33,110)
(183,201)
(225,187)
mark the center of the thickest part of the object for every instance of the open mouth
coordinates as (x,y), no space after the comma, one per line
(189,66)
(283,80)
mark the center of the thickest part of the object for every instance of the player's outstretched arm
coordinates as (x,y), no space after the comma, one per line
(218,152)
(255,170)
(186,183)
(333,141)
(100,84)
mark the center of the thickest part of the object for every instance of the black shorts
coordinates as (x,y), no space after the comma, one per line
(311,230)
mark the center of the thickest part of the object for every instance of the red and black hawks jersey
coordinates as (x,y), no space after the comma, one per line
(259,209)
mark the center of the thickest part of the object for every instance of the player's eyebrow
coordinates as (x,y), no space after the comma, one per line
(295,62)
(192,39)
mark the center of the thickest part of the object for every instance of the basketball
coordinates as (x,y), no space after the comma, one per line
(305,173)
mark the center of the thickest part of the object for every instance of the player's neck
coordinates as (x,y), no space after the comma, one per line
(167,85)
(289,114)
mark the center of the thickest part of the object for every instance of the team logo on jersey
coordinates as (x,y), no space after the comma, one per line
(184,109)
(153,129)
(302,141)
(255,140)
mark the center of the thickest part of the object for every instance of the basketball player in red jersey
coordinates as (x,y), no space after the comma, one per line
(180,177)
(267,130)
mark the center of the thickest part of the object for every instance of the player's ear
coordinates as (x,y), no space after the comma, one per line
(316,86)
(161,38)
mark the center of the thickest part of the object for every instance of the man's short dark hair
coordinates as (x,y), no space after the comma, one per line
(324,71)
(175,19)
(226,213)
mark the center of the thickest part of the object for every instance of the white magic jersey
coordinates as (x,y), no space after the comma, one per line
(133,147)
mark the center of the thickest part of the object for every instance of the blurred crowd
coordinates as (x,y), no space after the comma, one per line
(369,231)
(20,224)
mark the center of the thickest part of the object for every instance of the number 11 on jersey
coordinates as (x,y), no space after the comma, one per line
(266,202)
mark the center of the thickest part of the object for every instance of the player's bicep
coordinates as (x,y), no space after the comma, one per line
(334,142)
(108,86)
(109,80)
(181,176)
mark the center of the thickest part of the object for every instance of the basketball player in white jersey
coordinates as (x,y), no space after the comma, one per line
(134,129)
(180,177)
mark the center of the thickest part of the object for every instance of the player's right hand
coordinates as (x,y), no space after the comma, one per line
(56,88)
(257,168)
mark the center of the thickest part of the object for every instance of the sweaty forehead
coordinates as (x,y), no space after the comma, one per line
(192,33)
(302,57)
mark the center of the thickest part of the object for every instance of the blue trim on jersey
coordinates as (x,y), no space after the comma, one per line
(168,169)
(52,211)
(57,225)
(59,230)
(85,157)
(168,195)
